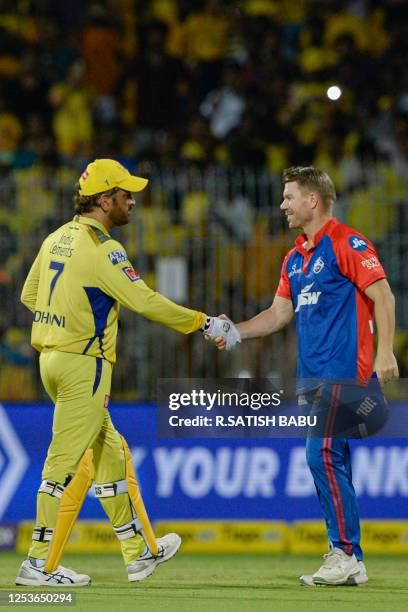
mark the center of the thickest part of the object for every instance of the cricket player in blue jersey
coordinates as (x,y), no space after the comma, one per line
(74,289)
(334,284)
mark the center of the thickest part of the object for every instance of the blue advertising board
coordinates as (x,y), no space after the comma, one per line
(203,479)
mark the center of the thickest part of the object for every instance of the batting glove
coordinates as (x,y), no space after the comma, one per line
(214,327)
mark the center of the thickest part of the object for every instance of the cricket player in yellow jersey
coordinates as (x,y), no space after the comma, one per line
(75,287)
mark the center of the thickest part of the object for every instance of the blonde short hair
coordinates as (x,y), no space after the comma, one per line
(312,179)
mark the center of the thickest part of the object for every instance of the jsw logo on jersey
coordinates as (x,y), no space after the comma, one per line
(307,297)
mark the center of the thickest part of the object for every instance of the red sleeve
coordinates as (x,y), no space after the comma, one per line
(357,259)
(283,289)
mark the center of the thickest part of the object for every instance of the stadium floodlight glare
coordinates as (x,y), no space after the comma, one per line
(334,92)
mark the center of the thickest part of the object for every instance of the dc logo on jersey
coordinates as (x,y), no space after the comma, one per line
(318,265)
(357,243)
(131,273)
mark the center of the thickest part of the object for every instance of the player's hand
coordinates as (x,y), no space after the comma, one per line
(386,367)
(220,342)
(222,331)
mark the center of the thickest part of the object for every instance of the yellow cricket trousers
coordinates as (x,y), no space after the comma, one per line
(79,386)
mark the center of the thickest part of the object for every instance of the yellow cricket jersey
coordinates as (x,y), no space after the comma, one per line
(75,286)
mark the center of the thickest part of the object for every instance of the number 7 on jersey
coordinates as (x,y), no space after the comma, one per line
(59,268)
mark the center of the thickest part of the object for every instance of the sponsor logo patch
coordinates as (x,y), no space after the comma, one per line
(357,243)
(307,297)
(371,263)
(117,257)
(294,270)
(131,273)
(318,265)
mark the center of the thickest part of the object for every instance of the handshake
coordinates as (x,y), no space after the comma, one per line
(222,331)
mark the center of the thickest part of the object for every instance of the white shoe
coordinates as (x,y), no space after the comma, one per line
(145,565)
(32,573)
(358,580)
(338,569)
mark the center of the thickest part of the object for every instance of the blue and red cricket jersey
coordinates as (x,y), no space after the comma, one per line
(334,317)
(334,321)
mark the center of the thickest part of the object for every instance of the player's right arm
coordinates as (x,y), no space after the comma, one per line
(30,288)
(268,321)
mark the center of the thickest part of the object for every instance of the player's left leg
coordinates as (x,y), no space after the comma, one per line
(78,385)
(111,487)
(329,461)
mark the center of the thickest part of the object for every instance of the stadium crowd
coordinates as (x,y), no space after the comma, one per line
(211,99)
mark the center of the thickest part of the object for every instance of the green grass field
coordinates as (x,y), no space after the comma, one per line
(228,583)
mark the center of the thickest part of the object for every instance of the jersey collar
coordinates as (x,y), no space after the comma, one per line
(302,239)
(92,222)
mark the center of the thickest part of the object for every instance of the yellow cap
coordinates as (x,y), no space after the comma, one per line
(105,174)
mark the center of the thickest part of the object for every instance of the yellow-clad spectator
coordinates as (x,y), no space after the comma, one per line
(205,33)
(261,263)
(72,103)
(198,145)
(150,231)
(369,33)
(203,40)
(16,371)
(151,234)
(314,56)
(21,25)
(164,10)
(277,157)
(43,186)
(11,132)
(195,207)
(285,11)
(16,31)
(336,153)
(395,184)
(371,212)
